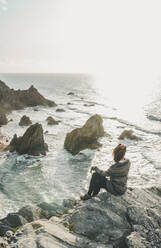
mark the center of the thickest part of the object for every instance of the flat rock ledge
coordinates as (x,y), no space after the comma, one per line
(106,221)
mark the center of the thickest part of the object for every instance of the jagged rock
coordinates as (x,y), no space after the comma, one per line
(32,142)
(25,121)
(3,119)
(129,135)
(60,110)
(32,97)
(51,121)
(11,99)
(85,137)
(132,220)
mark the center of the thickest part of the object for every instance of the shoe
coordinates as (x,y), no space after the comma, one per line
(85,197)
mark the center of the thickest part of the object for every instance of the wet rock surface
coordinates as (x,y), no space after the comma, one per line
(85,137)
(3,119)
(32,142)
(25,121)
(106,221)
(51,121)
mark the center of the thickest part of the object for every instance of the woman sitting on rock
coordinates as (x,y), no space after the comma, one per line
(117,173)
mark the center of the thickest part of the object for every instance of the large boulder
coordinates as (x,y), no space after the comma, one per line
(11,99)
(85,137)
(25,121)
(32,142)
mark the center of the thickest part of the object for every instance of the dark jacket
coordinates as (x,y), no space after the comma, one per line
(118,173)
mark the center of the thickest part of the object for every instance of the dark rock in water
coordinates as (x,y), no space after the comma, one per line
(129,134)
(89,105)
(3,119)
(25,121)
(71,94)
(60,110)
(18,99)
(51,121)
(85,137)
(153,118)
(32,142)
(36,109)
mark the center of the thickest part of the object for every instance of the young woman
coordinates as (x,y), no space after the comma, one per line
(117,173)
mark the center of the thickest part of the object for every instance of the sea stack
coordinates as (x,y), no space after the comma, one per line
(85,137)
(32,142)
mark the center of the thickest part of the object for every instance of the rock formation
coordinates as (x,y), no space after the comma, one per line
(2,146)
(106,221)
(60,110)
(25,121)
(71,94)
(18,99)
(129,134)
(51,121)
(32,142)
(85,137)
(3,119)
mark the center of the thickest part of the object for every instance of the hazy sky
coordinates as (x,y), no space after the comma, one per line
(121,38)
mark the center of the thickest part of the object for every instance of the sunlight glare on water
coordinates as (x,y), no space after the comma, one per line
(128,98)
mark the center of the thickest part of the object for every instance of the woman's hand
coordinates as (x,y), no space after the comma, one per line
(93,168)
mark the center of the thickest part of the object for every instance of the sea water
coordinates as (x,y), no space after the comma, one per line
(59,175)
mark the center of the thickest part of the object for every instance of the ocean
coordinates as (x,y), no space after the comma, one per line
(59,175)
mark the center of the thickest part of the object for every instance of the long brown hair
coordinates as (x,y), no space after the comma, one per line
(119,152)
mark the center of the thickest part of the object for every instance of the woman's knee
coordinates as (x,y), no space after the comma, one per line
(95,175)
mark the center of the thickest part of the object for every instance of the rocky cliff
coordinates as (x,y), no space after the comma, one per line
(11,99)
(106,221)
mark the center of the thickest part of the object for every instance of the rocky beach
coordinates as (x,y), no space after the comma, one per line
(132,220)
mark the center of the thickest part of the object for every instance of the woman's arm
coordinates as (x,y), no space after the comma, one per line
(101,172)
